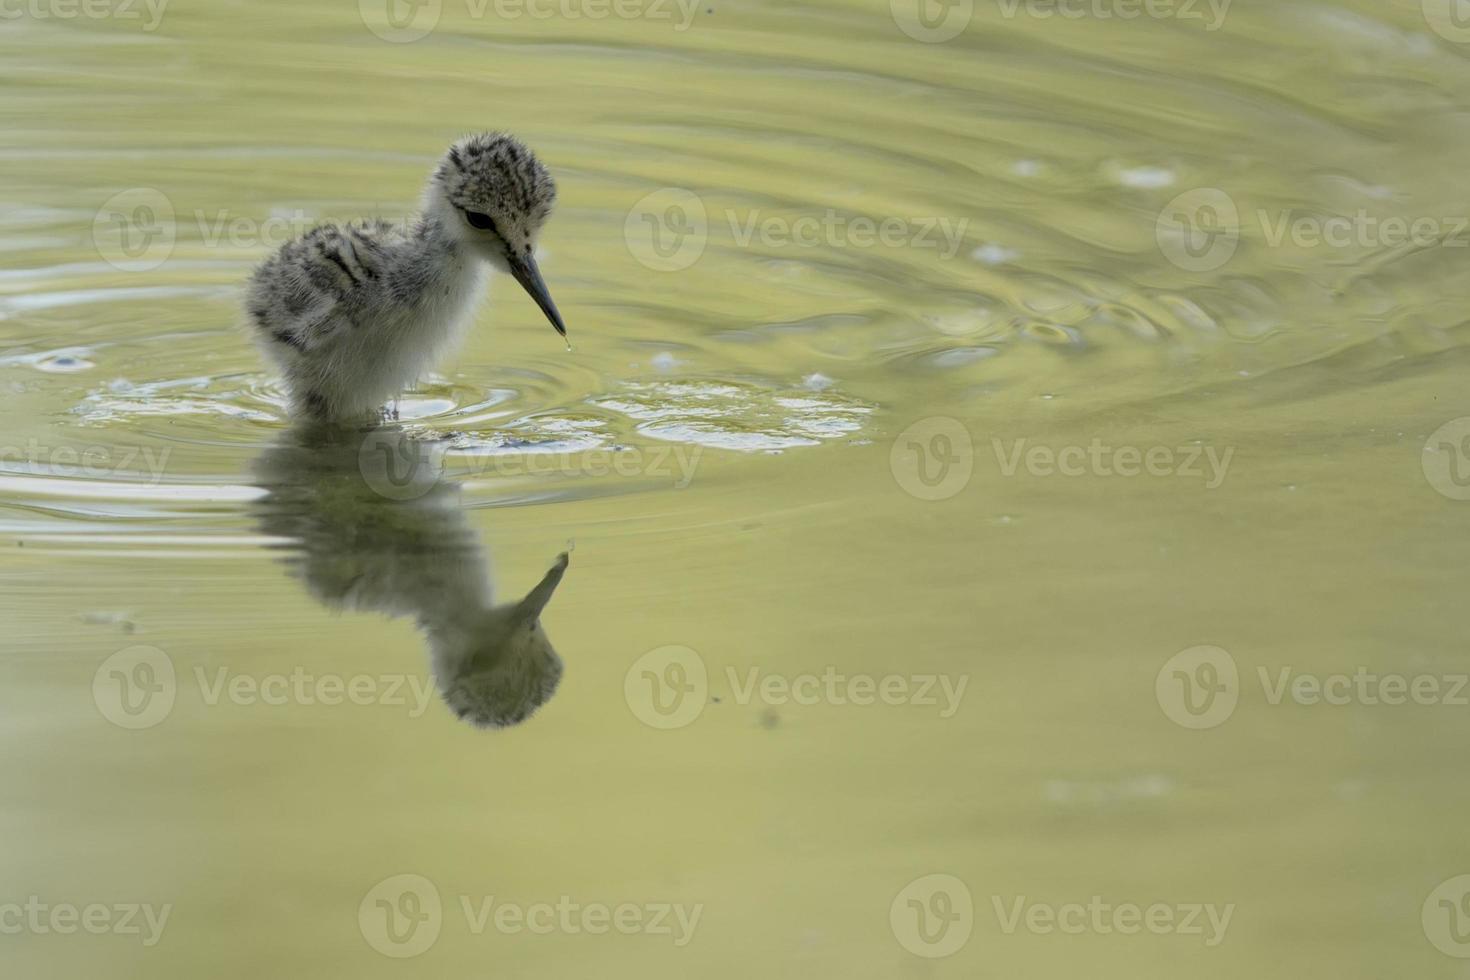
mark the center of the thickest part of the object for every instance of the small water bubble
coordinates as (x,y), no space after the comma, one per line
(64,364)
(1146,178)
(992,254)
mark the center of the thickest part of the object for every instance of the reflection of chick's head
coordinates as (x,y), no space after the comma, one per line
(496,667)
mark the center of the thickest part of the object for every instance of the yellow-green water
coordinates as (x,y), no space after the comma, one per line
(781,446)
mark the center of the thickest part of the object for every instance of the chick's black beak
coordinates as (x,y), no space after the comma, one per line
(526,273)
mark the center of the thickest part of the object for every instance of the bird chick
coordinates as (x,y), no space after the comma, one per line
(353,314)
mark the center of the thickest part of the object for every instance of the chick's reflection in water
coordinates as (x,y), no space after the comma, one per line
(370,525)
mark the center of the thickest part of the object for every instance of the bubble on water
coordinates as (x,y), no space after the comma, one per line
(65,360)
(1146,178)
(992,254)
(64,364)
(1052,334)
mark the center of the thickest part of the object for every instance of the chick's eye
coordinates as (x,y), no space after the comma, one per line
(479,220)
